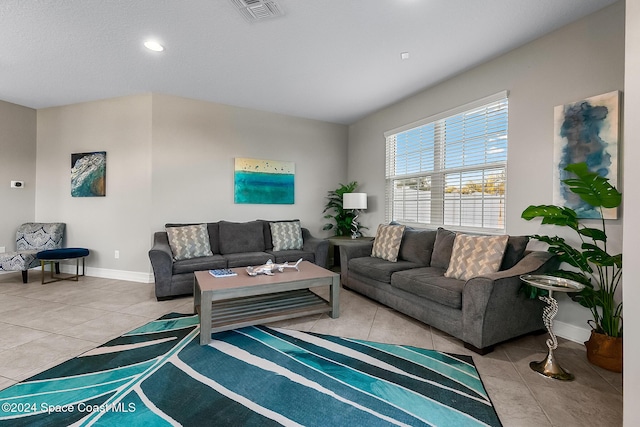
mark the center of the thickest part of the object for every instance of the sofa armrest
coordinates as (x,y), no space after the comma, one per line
(320,247)
(494,309)
(533,262)
(162,263)
(348,252)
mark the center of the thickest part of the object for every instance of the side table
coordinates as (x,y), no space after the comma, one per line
(549,367)
(333,260)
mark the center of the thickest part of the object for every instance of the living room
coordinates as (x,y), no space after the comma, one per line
(170,158)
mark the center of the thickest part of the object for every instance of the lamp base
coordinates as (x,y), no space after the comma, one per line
(354,226)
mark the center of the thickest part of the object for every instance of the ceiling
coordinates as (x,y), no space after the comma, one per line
(330,60)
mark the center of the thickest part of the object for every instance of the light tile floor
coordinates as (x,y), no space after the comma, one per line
(44,325)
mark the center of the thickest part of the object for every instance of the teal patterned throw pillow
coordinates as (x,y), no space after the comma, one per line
(286,235)
(190,241)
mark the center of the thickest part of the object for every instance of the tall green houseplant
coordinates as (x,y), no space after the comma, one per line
(598,270)
(333,210)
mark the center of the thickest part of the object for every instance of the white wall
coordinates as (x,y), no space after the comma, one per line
(17,163)
(631,249)
(194,146)
(170,159)
(580,60)
(120,220)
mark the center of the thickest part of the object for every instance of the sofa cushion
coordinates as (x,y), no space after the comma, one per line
(377,268)
(286,235)
(236,237)
(417,246)
(244,259)
(212,229)
(442,248)
(474,256)
(516,246)
(268,240)
(199,264)
(292,256)
(190,241)
(429,283)
(387,242)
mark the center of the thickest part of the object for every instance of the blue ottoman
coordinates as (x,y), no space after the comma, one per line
(54,256)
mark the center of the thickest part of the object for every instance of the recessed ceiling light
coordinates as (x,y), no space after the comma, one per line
(154,46)
(404,55)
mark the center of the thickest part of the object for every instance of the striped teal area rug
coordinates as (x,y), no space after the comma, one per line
(159,375)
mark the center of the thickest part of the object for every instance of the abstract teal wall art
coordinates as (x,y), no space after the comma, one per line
(88,174)
(586,131)
(264,181)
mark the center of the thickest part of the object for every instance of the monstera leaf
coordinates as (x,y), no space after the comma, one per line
(550,214)
(591,187)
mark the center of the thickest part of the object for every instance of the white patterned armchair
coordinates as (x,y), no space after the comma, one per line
(31,238)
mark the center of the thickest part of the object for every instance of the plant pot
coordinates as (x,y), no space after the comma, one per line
(605,351)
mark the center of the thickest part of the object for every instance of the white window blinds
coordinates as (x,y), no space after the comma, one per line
(450,169)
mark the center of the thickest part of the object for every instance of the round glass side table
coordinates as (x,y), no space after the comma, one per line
(549,367)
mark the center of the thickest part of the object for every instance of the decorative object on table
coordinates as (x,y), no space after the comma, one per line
(88,174)
(223,272)
(549,366)
(158,372)
(264,181)
(335,211)
(586,131)
(31,238)
(356,202)
(599,271)
(270,267)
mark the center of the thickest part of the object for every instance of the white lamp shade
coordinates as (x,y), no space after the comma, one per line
(354,201)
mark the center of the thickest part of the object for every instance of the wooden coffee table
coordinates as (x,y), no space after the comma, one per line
(225,303)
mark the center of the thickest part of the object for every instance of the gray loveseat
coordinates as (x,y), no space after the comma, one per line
(232,244)
(481,311)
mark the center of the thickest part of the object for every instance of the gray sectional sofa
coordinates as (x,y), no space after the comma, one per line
(481,311)
(232,244)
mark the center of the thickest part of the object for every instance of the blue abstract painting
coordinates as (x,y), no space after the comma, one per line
(586,131)
(88,174)
(264,181)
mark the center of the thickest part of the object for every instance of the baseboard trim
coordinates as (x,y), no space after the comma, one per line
(106,273)
(571,332)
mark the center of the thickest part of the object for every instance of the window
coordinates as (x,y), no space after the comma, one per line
(450,170)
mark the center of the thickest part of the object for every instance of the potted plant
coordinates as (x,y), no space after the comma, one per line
(333,209)
(593,266)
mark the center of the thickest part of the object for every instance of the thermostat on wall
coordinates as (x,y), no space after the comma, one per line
(17,184)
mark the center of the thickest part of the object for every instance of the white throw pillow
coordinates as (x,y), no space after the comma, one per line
(474,256)
(387,242)
(286,235)
(189,241)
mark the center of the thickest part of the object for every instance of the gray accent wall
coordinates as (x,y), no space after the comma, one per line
(171,159)
(580,60)
(17,163)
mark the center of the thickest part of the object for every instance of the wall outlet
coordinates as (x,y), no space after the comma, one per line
(116,255)
(17,184)
(2,249)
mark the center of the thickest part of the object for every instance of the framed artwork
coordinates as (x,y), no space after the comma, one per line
(263,181)
(586,131)
(88,174)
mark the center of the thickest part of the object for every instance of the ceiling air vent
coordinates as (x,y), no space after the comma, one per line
(257,10)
